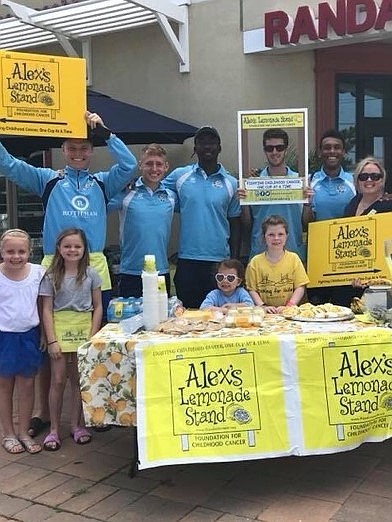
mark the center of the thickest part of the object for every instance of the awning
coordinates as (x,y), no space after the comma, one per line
(80,20)
(133,124)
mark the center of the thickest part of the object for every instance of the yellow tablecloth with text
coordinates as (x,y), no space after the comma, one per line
(256,397)
(286,389)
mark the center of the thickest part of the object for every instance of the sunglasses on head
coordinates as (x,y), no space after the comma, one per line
(230,278)
(373,176)
(270,148)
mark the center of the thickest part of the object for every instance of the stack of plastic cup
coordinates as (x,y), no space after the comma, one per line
(162,299)
(150,293)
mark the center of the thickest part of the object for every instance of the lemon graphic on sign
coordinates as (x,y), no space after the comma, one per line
(45,98)
(237,413)
(386,401)
(364,251)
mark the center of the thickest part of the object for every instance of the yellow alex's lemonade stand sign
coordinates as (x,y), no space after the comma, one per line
(356,247)
(265,120)
(42,95)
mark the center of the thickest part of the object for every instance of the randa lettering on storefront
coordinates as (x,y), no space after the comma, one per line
(348,21)
(348,18)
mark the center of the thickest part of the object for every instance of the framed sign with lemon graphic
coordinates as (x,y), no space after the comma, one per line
(42,95)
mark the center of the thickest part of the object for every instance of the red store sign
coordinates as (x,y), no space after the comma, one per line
(349,18)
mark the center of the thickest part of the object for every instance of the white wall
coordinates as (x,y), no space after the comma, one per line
(138,66)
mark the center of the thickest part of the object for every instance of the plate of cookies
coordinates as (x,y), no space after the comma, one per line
(308,312)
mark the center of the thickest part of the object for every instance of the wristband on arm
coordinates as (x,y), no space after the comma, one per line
(101,132)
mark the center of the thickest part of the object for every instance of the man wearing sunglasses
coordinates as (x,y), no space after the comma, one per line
(275,145)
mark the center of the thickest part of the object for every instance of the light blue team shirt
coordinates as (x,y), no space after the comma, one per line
(206,203)
(291,212)
(218,298)
(331,195)
(76,200)
(145,225)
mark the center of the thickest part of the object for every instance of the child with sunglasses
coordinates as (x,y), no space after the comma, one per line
(230,293)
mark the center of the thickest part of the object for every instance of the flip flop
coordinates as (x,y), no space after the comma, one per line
(81,436)
(37,426)
(52,442)
(12,445)
(30,445)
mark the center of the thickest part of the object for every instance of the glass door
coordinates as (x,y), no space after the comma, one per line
(365,117)
(21,209)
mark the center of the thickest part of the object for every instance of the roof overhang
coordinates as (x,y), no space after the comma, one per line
(81,20)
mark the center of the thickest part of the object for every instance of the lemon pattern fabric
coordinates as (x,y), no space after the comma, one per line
(108,381)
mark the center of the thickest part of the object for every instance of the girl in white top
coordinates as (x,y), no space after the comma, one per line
(20,354)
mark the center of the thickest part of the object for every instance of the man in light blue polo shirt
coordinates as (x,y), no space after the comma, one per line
(332,188)
(275,144)
(146,211)
(209,218)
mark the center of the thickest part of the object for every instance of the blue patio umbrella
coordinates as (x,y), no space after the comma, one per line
(133,124)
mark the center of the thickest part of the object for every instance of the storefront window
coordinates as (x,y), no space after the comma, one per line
(19,208)
(373,103)
(347,96)
(364,113)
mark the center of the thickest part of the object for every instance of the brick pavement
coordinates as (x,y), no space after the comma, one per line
(90,484)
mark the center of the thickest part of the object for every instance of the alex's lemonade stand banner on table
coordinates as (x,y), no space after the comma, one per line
(201,400)
(345,389)
(42,95)
(206,400)
(352,247)
(252,160)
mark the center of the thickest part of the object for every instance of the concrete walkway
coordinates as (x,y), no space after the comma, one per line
(90,483)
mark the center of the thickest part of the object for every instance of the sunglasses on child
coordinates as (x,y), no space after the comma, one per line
(230,278)
(270,148)
(373,176)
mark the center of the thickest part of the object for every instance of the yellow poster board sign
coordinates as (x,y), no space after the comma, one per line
(340,250)
(42,95)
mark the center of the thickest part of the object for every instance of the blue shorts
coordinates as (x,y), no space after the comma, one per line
(20,353)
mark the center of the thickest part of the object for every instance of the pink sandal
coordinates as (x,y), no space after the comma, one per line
(81,436)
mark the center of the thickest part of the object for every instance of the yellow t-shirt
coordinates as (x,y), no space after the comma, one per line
(275,282)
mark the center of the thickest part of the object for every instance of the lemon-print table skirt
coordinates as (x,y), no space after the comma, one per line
(108,379)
